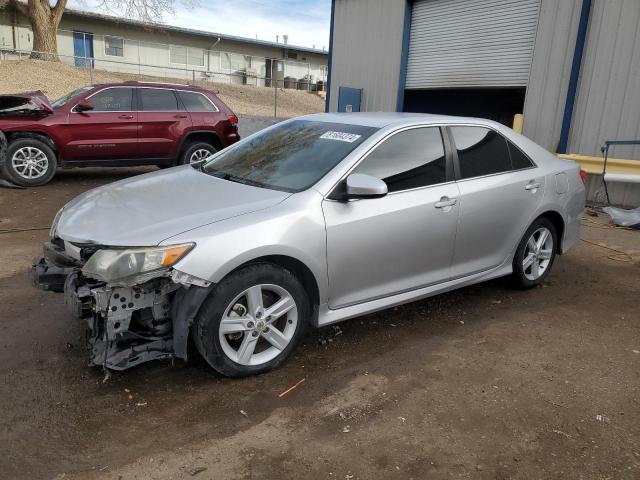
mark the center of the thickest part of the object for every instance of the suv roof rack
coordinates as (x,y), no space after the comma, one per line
(157,83)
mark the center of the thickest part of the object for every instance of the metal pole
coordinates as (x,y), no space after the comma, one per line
(275,90)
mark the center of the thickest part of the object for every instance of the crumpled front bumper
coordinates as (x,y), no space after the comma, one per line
(128,325)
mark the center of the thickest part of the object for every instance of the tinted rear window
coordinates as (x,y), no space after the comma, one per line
(158,100)
(481,151)
(291,156)
(518,159)
(196,102)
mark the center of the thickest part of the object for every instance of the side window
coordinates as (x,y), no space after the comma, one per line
(410,159)
(518,159)
(158,100)
(481,151)
(196,102)
(112,100)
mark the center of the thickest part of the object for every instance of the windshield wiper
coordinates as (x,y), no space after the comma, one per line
(233,178)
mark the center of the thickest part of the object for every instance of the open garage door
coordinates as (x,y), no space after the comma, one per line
(471,43)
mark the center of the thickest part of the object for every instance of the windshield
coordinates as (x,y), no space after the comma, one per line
(289,157)
(70,96)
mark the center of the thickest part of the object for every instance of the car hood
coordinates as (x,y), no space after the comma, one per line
(24,103)
(149,208)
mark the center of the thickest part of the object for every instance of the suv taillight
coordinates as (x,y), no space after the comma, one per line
(233,119)
(583,176)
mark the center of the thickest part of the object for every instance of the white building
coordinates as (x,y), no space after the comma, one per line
(119,45)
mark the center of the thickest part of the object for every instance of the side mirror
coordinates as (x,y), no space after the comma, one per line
(83,106)
(360,185)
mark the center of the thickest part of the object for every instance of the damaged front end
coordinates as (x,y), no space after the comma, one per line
(131,319)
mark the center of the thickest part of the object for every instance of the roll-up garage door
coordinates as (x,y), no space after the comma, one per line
(471,43)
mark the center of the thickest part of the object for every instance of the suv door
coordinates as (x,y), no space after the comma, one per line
(499,193)
(163,122)
(108,132)
(400,242)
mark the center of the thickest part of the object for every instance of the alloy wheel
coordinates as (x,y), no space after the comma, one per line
(537,254)
(258,324)
(30,162)
(199,156)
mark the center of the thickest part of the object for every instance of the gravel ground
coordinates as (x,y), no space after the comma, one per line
(56,79)
(486,382)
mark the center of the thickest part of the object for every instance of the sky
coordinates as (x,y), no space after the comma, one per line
(306,22)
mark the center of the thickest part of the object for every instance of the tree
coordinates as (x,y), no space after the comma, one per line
(45,17)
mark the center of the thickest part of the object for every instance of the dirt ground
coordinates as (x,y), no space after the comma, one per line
(486,382)
(56,79)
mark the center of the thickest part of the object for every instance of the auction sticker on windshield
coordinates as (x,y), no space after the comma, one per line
(341,136)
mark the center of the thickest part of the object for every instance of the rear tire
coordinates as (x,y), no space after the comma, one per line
(29,162)
(535,254)
(252,320)
(196,153)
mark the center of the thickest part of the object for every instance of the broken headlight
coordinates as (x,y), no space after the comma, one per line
(115,265)
(54,224)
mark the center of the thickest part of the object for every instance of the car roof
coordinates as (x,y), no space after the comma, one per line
(385,119)
(134,83)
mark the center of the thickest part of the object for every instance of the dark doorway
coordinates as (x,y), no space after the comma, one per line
(499,104)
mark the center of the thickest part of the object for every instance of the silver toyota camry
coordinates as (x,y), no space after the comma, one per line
(310,222)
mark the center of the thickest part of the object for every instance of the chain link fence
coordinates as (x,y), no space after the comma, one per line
(212,68)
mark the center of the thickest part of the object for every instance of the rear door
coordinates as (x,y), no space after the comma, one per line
(205,115)
(163,121)
(499,193)
(108,132)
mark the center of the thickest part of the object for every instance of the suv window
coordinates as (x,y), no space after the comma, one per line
(196,102)
(518,159)
(481,151)
(112,100)
(158,100)
(409,159)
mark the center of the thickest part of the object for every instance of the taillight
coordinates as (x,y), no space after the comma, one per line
(583,176)
(233,119)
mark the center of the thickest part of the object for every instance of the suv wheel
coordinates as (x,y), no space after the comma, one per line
(535,254)
(196,153)
(29,162)
(252,321)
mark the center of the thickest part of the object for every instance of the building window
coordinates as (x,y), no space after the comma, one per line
(187,56)
(235,61)
(114,46)
(196,57)
(178,55)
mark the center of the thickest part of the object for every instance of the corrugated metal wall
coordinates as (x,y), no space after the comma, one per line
(471,43)
(608,100)
(367,46)
(550,70)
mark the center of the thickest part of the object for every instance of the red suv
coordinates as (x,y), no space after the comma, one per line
(115,124)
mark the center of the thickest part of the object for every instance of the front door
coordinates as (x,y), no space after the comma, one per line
(108,132)
(163,122)
(400,242)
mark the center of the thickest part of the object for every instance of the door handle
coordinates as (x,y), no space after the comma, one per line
(532,185)
(125,117)
(181,115)
(446,202)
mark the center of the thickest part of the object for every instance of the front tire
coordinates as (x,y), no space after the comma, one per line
(252,320)
(29,162)
(196,153)
(535,254)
